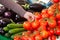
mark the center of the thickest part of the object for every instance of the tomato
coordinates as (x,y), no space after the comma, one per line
(35,24)
(52,23)
(24,38)
(50,13)
(53,37)
(43,22)
(52,8)
(38,37)
(57,31)
(44,34)
(42,28)
(38,16)
(55,1)
(27,25)
(51,32)
(59,7)
(52,17)
(31,38)
(58,16)
(45,15)
(17,37)
(48,28)
(58,22)
(27,33)
(44,11)
(36,32)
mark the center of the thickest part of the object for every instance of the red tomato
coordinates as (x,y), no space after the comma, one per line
(58,16)
(58,22)
(35,24)
(17,37)
(53,37)
(52,23)
(51,13)
(59,7)
(48,28)
(44,11)
(38,16)
(52,9)
(31,38)
(57,31)
(38,37)
(52,17)
(27,33)
(44,34)
(24,38)
(43,22)
(45,15)
(27,25)
(55,1)
(51,32)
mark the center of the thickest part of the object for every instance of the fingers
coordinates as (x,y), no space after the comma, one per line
(29,16)
(32,17)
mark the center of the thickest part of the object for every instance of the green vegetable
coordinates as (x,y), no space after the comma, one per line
(6,29)
(15,26)
(16,30)
(26,6)
(7,34)
(12,36)
(12,21)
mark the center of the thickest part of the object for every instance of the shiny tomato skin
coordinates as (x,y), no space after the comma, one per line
(35,24)
(53,37)
(57,32)
(44,34)
(51,32)
(27,25)
(58,16)
(58,22)
(48,28)
(55,1)
(38,37)
(37,17)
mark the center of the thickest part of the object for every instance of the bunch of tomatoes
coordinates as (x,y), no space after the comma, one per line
(46,25)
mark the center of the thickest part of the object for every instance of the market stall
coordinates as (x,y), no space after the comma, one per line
(46,25)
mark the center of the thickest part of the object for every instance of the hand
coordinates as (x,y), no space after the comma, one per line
(29,16)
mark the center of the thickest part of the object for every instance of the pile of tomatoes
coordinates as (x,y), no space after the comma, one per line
(46,25)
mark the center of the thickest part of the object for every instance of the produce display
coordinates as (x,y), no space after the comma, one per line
(46,25)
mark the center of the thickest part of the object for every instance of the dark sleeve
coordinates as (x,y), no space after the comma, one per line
(13,6)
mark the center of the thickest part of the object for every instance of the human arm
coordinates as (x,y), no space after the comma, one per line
(16,8)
